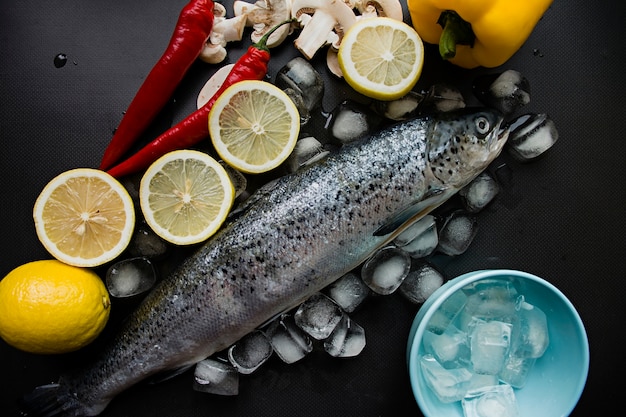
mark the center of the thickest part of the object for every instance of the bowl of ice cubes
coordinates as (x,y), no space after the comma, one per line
(497,343)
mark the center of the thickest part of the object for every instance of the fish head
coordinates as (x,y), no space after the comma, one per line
(461,144)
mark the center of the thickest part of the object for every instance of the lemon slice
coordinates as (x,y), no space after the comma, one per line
(185,196)
(84,217)
(254,126)
(381,57)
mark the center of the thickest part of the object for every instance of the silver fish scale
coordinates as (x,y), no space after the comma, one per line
(295,237)
(285,246)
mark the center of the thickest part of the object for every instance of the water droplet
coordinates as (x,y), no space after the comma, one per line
(537,52)
(60,60)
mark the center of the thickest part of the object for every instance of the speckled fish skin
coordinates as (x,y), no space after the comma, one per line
(291,239)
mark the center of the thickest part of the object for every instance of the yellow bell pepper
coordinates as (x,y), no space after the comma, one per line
(473,33)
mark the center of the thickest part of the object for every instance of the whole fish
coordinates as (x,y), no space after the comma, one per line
(291,239)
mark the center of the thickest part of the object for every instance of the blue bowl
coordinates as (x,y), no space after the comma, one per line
(557,379)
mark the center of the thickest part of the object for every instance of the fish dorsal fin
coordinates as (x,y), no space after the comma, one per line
(431,200)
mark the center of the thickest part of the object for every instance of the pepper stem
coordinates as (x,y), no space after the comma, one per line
(456,31)
(262,43)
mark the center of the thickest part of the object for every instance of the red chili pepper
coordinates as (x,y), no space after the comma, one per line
(251,66)
(192,30)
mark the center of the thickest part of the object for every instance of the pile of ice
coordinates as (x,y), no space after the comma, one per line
(324,319)
(291,337)
(481,345)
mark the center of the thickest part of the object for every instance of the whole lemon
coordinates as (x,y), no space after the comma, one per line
(49,307)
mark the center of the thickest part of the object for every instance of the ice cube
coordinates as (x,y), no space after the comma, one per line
(421,282)
(442,98)
(489,345)
(457,232)
(477,194)
(306,151)
(533,338)
(516,369)
(450,348)
(491,300)
(491,401)
(250,352)
(507,91)
(530,136)
(216,377)
(297,99)
(289,341)
(449,385)
(348,292)
(300,75)
(146,243)
(350,121)
(130,277)
(447,312)
(400,109)
(347,340)
(424,244)
(479,381)
(318,315)
(415,230)
(384,271)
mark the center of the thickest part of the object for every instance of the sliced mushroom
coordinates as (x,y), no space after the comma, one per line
(212,53)
(264,15)
(382,8)
(213,84)
(224,30)
(228,30)
(368,11)
(324,22)
(332,62)
(219,11)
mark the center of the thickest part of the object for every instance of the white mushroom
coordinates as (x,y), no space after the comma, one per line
(212,53)
(228,30)
(264,15)
(369,11)
(213,84)
(219,11)
(332,62)
(382,8)
(324,21)
(224,30)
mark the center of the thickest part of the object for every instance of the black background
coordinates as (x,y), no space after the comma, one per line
(560,217)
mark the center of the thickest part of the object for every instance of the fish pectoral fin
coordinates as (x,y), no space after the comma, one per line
(413,213)
(169,374)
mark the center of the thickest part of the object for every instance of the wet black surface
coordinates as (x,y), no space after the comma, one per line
(69,69)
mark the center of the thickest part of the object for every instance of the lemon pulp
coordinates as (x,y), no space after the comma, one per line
(185,196)
(254,126)
(381,57)
(84,217)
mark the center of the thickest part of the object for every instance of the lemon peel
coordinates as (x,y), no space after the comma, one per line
(49,307)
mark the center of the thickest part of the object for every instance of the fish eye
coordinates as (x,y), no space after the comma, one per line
(482,125)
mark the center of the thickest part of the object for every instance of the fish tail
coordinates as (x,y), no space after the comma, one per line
(48,401)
